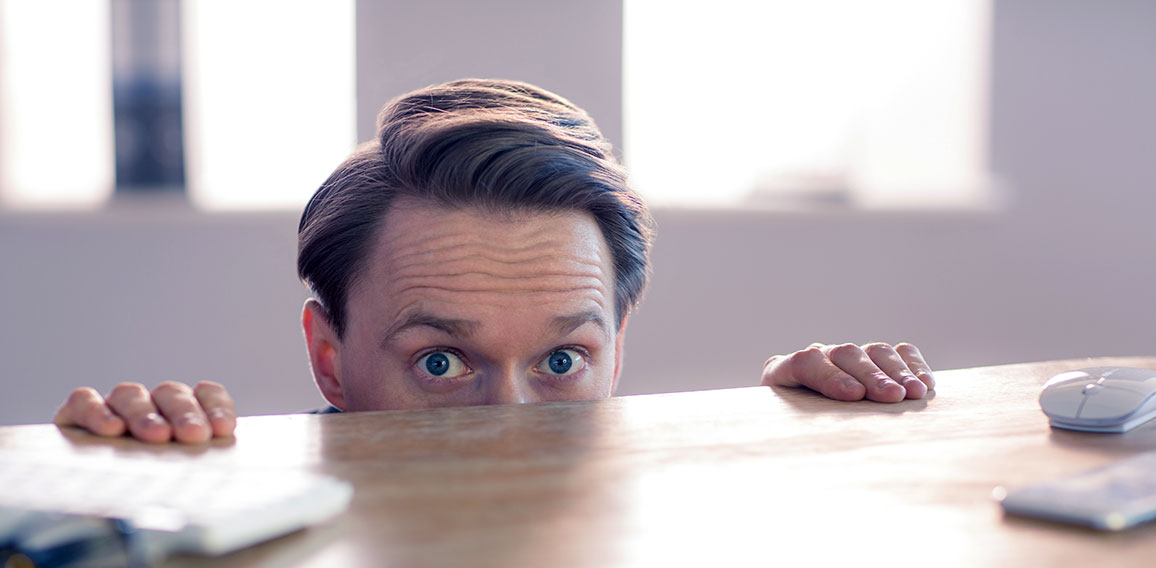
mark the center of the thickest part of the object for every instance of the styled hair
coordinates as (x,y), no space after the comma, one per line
(500,146)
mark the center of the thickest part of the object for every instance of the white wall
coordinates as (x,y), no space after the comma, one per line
(152,292)
(149,293)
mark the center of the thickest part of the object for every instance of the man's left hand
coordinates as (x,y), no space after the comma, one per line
(876,371)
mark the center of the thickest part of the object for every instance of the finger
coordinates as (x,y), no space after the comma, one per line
(778,369)
(218,406)
(86,409)
(180,407)
(916,363)
(131,401)
(851,359)
(812,369)
(888,360)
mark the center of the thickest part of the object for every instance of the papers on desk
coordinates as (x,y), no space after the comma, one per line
(55,511)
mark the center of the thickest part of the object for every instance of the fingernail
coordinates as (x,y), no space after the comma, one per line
(850,383)
(219,414)
(928,378)
(152,419)
(189,420)
(914,385)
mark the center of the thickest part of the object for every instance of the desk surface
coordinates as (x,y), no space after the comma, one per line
(742,476)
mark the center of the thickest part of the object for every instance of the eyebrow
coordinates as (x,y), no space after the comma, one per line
(459,328)
(564,325)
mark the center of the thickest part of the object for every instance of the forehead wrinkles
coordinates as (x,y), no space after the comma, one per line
(416,248)
(461,263)
(468,251)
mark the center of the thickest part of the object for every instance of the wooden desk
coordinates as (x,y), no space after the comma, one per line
(729,477)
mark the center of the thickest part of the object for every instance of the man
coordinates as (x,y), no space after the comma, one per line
(484,249)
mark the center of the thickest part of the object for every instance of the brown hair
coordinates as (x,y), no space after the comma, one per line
(494,144)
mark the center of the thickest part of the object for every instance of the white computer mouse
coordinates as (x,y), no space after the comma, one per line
(1100,399)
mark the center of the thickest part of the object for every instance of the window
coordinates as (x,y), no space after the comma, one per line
(866,104)
(264,106)
(56,136)
(727,103)
(270,101)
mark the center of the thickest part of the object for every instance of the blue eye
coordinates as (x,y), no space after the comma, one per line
(442,364)
(563,362)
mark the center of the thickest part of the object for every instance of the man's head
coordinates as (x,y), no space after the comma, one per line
(505,203)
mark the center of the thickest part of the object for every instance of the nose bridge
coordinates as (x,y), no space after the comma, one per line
(507,386)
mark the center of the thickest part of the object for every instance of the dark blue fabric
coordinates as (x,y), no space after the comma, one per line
(329,409)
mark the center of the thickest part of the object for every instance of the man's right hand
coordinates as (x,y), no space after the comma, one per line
(172,411)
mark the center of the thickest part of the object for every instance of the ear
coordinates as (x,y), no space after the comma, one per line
(618,343)
(324,348)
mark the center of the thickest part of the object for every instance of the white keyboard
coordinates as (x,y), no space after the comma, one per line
(159,508)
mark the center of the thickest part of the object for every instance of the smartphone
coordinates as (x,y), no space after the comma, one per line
(1114,497)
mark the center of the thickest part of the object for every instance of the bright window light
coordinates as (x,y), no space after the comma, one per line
(270,98)
(56,136)
(878,104)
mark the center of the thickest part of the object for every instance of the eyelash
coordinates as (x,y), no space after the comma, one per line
(557,379)
(564,379)
(441,380)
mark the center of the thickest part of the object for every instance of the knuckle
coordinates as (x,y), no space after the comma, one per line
(906,348)
(210,388)
(805,356)
(128,390)
(93,414)
(877,348)
(82,396)
(210,391)
(171,388)
(844,349)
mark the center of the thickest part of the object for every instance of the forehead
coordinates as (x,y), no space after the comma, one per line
(463,259)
